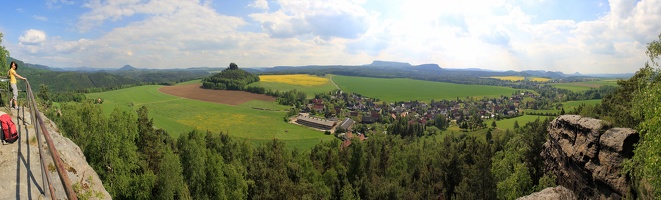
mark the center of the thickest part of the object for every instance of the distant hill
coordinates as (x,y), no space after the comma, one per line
(428,68)
(70,79)
(127,68)
(76,79)
(389,69)
(542,73)
(385,69)
(231,78)
(378,63)
(65,81)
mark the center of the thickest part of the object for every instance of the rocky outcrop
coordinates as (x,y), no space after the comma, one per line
(20,167)
(586,155)
(551,193)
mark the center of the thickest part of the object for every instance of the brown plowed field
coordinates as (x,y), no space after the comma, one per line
(230,97)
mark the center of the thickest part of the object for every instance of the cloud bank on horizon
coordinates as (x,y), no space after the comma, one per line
(592,36)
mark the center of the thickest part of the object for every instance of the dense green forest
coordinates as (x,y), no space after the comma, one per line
(136,161)
(162,76)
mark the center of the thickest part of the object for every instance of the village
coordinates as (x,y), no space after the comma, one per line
(337,112)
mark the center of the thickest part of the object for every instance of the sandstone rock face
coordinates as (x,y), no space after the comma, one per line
(586,156)
(21,174)
(551,193)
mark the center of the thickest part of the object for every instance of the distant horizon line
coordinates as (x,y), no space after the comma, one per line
(393,62)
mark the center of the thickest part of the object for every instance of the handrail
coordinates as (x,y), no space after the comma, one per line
(46,179)
(61,171)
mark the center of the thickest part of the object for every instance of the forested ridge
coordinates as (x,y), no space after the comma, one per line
(59,81)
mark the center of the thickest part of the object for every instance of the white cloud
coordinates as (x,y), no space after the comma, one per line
(114,10)
(458,34)
(259,4)
(32,37)
(499,35)
(181,34)
(55,4)
(327,19)
(40,18)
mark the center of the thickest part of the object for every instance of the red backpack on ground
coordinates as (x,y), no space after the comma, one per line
(9,133)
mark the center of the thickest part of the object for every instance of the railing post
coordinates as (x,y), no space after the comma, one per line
(45,176)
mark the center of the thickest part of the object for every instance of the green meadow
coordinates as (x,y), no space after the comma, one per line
(178,115)
(571,105)
(585,85)
(400,89)
(522,120)
(501,127)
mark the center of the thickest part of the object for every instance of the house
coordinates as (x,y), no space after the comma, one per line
(346,139)
(318,107)
(350,106)
(346,124)
(368,119)
(398,109)
(317,101)
(375,115)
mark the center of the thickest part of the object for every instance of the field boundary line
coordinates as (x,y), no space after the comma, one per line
(175,99)
(331,79)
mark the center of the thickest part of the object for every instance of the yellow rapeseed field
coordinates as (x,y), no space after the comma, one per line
(539,79)
(295,79)
(509,78)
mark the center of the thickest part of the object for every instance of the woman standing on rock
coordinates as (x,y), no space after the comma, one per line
(12,81)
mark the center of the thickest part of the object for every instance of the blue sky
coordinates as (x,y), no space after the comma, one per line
(586,36)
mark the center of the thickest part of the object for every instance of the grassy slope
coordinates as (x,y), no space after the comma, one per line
(399,89)
(178,115)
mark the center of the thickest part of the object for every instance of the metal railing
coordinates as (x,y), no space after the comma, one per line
(41,129)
